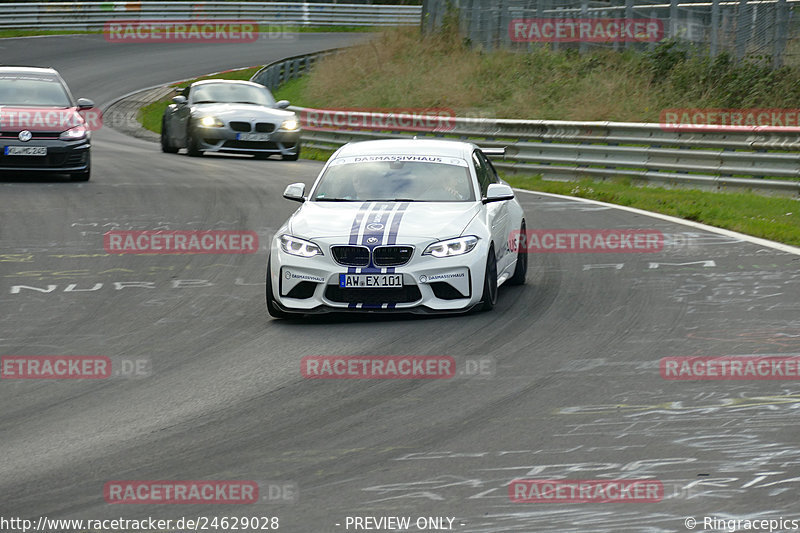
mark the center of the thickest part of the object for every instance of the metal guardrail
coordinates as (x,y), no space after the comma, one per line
(709,157)
(279,72)
(713,156)
(94,15)
(716,159)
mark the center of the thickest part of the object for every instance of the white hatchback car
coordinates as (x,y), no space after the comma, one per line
(415,225)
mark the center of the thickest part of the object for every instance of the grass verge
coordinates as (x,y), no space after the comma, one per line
(30,33)
(292,90)
(772,218)
(399,69)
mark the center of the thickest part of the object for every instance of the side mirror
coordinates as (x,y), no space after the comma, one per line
(497,192)
(295,192)
(282,104)
(85,103)
(494,152)
(180,100)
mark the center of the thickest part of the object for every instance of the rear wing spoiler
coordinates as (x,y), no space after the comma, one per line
(494,152)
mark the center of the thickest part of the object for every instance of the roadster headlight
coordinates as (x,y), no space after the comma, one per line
(211,122)
(303,248)
(451,247)
(290,124)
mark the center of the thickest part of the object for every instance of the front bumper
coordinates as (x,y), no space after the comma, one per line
(62,156)
(225,140)
(430,285)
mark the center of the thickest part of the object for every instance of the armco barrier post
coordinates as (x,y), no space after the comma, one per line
(781,32)
(742,29)
(584,46)
(629,16)
(715,29)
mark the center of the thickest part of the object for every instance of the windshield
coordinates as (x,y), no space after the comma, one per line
(231,93)
(392,177)
(33,91)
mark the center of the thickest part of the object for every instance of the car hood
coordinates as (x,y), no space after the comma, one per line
(400,220)
(241,112)
(39,119)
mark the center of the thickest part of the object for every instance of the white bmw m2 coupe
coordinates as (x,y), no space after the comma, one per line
(416,226)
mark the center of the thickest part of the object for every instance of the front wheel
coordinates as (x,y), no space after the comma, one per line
(521,269)
(166,146)
(192,147)
(489,298)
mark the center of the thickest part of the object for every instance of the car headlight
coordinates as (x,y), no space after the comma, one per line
(74,134)
(211,122)
(303,248)
(290,124)
(451,247)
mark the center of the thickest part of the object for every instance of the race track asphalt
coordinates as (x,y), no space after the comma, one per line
(575,390)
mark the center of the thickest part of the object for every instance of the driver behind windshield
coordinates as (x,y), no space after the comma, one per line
(395,181)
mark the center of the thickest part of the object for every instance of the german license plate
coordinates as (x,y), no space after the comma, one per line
(259,137)
(369,281)
(25,150)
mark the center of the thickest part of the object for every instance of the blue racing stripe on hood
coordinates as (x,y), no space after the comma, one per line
(395,227)
(355,229)
(393,230)
(378,216)
(375,233)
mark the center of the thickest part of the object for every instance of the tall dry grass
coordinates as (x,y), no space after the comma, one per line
(398,68)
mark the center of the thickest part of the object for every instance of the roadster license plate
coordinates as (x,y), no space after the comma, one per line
(259,137)
(370,281)
(25,150)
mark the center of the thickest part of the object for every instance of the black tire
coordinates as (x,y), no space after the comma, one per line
(84,175)
(166,146)
(489,298)
(294,156)
(272,308)
(521,269)
(191,145)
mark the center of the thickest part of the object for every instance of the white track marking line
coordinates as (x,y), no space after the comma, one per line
(728,233)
